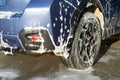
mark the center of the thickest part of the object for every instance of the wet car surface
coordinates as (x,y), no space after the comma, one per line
(48,67)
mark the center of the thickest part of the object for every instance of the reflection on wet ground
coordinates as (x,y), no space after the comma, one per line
(50,67)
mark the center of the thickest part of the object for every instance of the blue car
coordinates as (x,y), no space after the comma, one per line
(72,29)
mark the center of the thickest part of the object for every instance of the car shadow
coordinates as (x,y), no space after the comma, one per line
(105,45)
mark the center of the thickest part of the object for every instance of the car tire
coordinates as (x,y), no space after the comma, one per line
(86,43)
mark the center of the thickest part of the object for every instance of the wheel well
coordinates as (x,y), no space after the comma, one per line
(97,12)
(78,13)
(93,6)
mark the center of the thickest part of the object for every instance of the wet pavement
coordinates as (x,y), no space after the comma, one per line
(50,67)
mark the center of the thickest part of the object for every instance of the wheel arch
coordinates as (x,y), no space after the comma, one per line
(85,5)
(93,6)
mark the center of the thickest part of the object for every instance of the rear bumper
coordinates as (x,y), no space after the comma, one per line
(41,46)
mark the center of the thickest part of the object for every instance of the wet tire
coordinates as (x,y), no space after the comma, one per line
(86,43)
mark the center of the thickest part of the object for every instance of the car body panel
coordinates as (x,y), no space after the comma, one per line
(56,18)
(111,10)
(14,5)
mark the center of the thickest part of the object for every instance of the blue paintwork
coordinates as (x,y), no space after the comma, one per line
(2,3)
(46,10)
(111,11)
(55,13)
(12,27)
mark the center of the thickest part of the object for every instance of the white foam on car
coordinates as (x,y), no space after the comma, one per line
(4,44)
(7,14)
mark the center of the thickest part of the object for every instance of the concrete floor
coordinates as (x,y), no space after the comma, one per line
(50,67)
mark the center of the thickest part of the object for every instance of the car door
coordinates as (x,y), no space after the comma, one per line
(112,14)
(117,4)
(115,14)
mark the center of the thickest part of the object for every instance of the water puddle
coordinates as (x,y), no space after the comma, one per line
(8,74)
(69,74)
